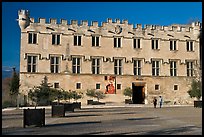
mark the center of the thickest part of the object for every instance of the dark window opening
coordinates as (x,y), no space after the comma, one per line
(156,87)
(78,85)
(118,86)
(56,85)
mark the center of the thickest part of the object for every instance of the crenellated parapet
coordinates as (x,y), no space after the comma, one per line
(109,28)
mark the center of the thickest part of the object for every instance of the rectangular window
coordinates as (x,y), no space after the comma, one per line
(32,38)
(175,87)
(117,42)
(95,66)
(95,41)
(136,43)
(156,87)
(55,39)
(54,64)
(97,86)
(78,85)
(137,67)
(189,46)
(118,66)
(155,44)
(173,68)
(76,65)
(173,45)
(77,40)
(155,68)
(118,86)
(31,63)
(190,69)
(105,78)
(56,85)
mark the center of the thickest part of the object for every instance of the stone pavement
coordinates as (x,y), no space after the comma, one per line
(111,119)
(107,105)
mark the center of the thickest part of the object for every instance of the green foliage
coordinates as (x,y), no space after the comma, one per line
(14,84)
(127,92)
(76,95)
(14,87)
(44,94)
(94,93)
(7,103)
(195,90)
(99,95)
(67,95)
(90,92)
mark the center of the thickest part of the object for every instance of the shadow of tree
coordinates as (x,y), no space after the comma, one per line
(83,115)
(172,131)
(73,123)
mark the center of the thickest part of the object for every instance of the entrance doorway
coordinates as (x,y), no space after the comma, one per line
(138,94)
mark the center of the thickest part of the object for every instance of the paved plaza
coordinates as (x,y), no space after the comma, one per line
(128,119)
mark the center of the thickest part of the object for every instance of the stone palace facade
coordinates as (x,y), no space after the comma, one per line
(151,60)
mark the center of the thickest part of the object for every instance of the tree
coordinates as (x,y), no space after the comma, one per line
(14,87)
(90,92)
(58,94)
(67,95)
(6,98)
(94,93)
(76,95)
(99,95)
(195,90)
(44,94)
(127,92)
(196,85)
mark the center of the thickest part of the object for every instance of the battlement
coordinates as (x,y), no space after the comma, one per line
(23,12)
(123,23)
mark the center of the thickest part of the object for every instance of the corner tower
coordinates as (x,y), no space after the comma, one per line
(23,18)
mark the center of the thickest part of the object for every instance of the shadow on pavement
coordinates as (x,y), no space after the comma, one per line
(70,124)
(171,131)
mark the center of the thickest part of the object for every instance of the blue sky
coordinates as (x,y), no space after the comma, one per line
(155,13)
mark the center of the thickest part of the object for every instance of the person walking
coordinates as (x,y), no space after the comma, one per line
(160,101)
(155,102)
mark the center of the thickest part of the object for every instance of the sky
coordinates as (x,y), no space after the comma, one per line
(145,13)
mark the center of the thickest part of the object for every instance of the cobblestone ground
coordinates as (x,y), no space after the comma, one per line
(185,120)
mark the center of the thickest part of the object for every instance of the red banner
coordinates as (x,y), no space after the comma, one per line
(110,86)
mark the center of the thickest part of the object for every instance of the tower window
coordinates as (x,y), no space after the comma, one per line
(190,68)
(136,43)
(118,66)
(155,68)
(76,65)
(189,45)
(55,39)
(137,67)
(32,38)
(173,45)
(31,63)
(77,40)
(117,42)
(173,68)
(54,64)
(95,41)
(96,66)
(155,44)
